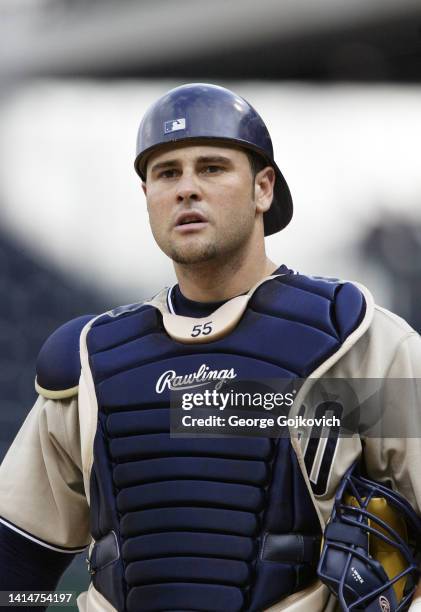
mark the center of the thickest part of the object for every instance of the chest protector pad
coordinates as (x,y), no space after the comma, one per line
(218,524)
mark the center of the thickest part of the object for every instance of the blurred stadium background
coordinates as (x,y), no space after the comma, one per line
(339,85)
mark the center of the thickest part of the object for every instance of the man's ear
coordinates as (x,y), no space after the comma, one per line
(264,183)
(144,187)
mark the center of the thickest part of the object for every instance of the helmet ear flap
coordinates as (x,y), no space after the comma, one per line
(368,557)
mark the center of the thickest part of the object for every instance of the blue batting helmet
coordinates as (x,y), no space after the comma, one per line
(371,547)
(209,112)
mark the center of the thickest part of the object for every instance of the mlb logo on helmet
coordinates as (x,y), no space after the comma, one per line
(174,125)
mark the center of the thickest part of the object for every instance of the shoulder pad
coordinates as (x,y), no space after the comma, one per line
(346,303)
(58,364)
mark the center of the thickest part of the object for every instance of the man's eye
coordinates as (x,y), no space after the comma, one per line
(170,173)
(212,169)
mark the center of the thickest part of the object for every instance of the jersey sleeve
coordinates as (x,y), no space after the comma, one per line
(26,566)
(42,495)
(398,460)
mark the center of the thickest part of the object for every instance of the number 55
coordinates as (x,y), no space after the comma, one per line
(201,329)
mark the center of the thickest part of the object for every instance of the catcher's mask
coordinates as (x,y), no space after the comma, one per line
(371,547)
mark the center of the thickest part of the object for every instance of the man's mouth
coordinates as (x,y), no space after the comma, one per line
(190,219)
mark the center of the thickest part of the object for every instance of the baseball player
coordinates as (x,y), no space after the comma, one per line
(218,524)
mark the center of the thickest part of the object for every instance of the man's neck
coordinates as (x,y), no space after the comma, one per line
(218,281)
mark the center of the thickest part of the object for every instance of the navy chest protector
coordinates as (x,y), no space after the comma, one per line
(210,524)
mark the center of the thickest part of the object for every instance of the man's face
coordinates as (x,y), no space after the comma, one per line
(200,201)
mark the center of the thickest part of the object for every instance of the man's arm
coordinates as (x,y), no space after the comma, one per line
(44,516)
(41,484)
(400,459)
(27,566)
(390,350)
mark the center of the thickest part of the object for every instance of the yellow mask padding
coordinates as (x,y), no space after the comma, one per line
(387,555)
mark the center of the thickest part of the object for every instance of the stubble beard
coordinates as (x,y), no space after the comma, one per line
(195,256)
(213,251)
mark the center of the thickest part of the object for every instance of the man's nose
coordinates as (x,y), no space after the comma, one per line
(187,189)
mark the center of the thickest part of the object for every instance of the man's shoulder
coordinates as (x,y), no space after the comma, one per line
(383,321)
(331,303)
(327,287)
(391,335)
(375,351)
(388,321)
(58,362)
